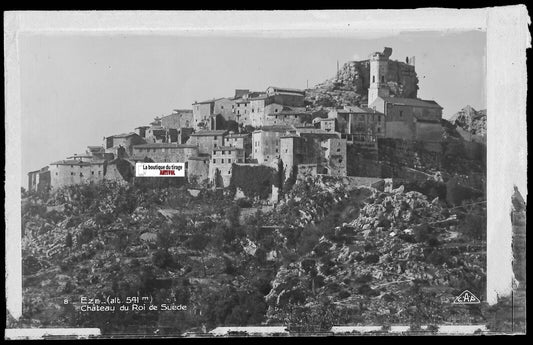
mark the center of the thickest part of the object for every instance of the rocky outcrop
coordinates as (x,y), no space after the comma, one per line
(471,120)
(350,85)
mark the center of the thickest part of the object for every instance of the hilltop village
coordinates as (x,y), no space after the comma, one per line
(349,203)
(296,127)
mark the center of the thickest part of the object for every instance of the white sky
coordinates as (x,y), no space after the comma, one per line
(78,88)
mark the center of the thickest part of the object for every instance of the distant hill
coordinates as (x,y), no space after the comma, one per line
(350,85)
(471,120)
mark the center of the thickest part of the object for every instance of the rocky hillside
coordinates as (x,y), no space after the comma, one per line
(471,120)
(324,255)
(350,85)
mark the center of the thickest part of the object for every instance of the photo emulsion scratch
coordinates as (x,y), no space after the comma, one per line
(224,184)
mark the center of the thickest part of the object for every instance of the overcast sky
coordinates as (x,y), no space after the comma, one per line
(78,88)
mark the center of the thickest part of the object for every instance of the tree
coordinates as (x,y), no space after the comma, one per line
(198,242)
(218,179)
(280,176)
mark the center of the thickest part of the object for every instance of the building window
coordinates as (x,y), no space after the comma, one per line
(382,78)
(401,113)
(71,173)
(99,173)
(215,138)
(255,150)
(229,172)
(215,144)
(277,150)
(222,160)
(276,111)
(373,78)
(221,107)
(229,160)
(92,172)
(379,130)
(338,150)
(72,166)
(81,175)
(214,161)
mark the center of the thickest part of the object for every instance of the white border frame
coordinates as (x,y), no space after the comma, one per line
(507,39)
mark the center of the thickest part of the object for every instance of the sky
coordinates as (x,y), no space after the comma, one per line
(78,88)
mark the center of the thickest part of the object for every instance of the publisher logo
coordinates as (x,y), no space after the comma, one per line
(466,297)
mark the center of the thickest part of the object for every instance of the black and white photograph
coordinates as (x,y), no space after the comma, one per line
(239,175)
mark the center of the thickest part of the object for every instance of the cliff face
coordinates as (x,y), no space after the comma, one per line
(350,85)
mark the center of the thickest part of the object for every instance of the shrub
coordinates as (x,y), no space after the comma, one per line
(254,181)
(474,225)
(162,259)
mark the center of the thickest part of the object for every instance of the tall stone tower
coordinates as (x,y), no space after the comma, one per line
(379,63)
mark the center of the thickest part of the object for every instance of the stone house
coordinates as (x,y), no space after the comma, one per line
(241,141)
(39,180)
(225,107)
(277,114)
(266,143)
(356,123)
(274,101)
(201,112)
(325,150)
(180,118)
(222,160)
(286,96)
(198,169)
(122,143)
(207,140)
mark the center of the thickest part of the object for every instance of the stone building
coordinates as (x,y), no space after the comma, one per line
(222,160)
(325,150)
(277,114)
(241,141)
(410,118)
(286,96)
(198,169)
(180,118)
(165,152)
(226,108)
(122,144)
(356,124)
(81,170)
(207,140)
(75,171)
(202,112)
(275,100)
(39,180)
(141,131)
(242,112)
(266,143)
